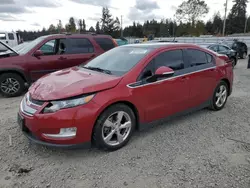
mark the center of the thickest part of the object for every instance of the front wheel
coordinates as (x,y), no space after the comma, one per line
(11,85)
(220,96)
(114,127)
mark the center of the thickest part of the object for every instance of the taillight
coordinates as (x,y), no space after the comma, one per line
(114,41)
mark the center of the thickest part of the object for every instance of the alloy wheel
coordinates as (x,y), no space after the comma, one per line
(10,86)
(221,96)
(116,128)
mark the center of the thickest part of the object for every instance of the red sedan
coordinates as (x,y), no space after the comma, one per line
(124,89)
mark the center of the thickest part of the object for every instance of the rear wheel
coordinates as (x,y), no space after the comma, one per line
(114,127)
(244,55)
(11,85)
(233,62)
(220,96)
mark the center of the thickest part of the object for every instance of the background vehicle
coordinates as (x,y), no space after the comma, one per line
(240,47)
(121,41)
(223,49)
(25,64)
(128,87)
(10,38)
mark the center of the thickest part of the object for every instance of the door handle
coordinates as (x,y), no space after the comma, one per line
(7,42)
(92,56)
(62,58)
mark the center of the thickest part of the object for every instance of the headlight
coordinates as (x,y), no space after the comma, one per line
(54,106)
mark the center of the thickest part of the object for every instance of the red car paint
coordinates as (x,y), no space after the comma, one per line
(32,68)
(150,101)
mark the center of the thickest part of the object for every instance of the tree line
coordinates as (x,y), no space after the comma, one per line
(187,21)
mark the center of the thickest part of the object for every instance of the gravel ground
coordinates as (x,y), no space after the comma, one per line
(204,149)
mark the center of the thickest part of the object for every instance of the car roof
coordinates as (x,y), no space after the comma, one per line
(76,36)
(160,45)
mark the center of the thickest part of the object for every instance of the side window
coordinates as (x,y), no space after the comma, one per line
(209,58)
(196,57)
(222,49)
(49,48)
(79,46)
(148,71)
(105,43)
(214,48)
(2,36)
(172,59)
(11,36)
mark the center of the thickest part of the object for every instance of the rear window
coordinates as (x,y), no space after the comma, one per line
(79,46)
(105,43)
(11,36)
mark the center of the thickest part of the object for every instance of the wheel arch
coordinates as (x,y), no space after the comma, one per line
(228,84)
(129,104)
(15,71)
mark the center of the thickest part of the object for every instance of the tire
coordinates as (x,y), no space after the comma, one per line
(102,131)
(233,62)
(214,104)
(16,84)
(244,55)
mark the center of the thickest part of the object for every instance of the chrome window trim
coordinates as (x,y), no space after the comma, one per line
(128,85)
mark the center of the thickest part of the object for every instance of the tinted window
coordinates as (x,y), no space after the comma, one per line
(119,60)
(214,48)
(105,43)
(79,46)
(11,36)
(49,48)
(2,36)
(209,58)
(196,57)
(172,59)
(222,48)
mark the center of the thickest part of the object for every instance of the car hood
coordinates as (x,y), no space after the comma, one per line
(71,82)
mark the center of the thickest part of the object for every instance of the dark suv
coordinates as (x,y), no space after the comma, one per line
(20,66)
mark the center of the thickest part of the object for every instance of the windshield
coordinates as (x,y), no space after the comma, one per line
(28,46)
(118,61)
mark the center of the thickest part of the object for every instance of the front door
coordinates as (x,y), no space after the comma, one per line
(53,59)
(166,96)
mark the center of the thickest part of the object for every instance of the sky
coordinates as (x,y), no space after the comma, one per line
(36,14)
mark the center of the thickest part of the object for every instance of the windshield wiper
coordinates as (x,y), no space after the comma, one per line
(98,69)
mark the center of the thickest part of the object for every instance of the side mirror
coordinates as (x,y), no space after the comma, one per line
(38,53)
(164,72)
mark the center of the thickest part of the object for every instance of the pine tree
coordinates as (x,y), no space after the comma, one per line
(237,17)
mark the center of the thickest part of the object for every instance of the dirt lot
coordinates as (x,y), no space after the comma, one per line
(204,149)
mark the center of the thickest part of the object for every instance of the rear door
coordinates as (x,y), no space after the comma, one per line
(202,77)
(79,51)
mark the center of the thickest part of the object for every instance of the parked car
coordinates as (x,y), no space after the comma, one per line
(223,49)
(162,40)
(46,54)
(10,38)
(127,88)
(121,41)
(240,47)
